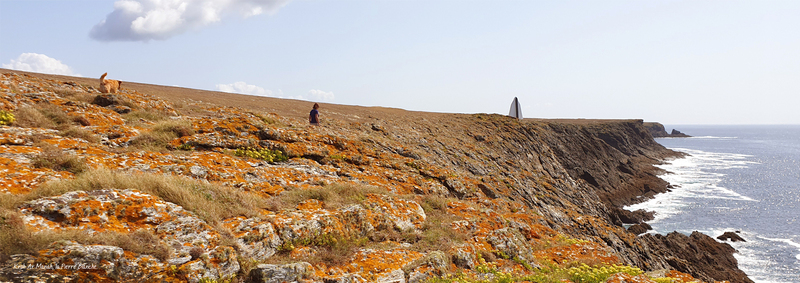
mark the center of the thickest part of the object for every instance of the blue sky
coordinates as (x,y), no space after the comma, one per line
(676,62)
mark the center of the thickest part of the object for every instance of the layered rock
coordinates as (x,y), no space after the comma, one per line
(517,196)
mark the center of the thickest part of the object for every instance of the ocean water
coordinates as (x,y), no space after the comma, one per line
(737,178)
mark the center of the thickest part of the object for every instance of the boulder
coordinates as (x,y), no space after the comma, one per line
(639,228)
(279,273)
(698,255)
(106,100)
(733,237)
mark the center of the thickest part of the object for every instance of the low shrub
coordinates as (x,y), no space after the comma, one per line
(261,153)
(6,118)
(588,274)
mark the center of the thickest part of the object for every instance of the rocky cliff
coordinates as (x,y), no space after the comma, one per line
(657,131)
(165,184)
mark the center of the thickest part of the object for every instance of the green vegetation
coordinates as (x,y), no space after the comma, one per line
(588,274)
(546,274)
(6,118)
(261,153)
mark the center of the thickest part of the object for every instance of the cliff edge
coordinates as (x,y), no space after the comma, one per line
(176,185)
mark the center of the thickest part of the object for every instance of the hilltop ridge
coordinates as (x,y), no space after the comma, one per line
(174,184)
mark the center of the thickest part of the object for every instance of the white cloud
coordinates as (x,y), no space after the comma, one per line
(144,20)
(319,95)
(39,63)
(244,88)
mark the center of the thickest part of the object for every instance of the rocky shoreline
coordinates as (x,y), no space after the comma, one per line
(373,195)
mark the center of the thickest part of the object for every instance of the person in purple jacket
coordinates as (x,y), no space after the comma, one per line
(313,117)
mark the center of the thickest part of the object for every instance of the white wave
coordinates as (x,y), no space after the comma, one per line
(754,258)
(694,177)
(713,137)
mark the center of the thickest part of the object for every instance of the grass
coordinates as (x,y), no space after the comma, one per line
(437,233)
(46,115)
(330,249)
(30,117)
(158,138)
(16,238)
(333,196)
(54,158)
(77,132)
(143,116)
(209,202)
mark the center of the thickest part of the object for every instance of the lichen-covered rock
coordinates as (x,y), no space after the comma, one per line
(525,191)
(255,237)
(404,214)
(130,210)
(77,262)
(273,273)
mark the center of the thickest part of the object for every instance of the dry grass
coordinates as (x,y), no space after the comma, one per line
(46,115)
(178,128)
(30,117)
(54,158)
(158,138)
(330,249)
(437,233)
(152,141)
(16,238)
(210,202)
(76,132)
(134,117)
(333,196)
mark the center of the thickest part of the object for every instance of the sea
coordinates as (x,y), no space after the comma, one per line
(743,179)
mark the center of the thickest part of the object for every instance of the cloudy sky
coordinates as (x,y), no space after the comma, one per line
(677,62)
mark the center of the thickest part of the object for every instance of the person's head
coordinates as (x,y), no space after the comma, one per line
(316,106)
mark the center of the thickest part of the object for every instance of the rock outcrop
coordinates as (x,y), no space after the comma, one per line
(247,192)
(657,131)
(733,237)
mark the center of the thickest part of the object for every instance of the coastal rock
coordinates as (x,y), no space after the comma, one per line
(698,255)
(639,228)
(657,130)
(677,134)
(733,237)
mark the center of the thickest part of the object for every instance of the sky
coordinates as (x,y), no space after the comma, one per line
(674,62)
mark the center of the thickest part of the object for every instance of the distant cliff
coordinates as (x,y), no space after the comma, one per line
(173,184)
(657,131)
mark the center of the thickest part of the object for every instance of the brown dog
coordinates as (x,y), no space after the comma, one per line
(109,86)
